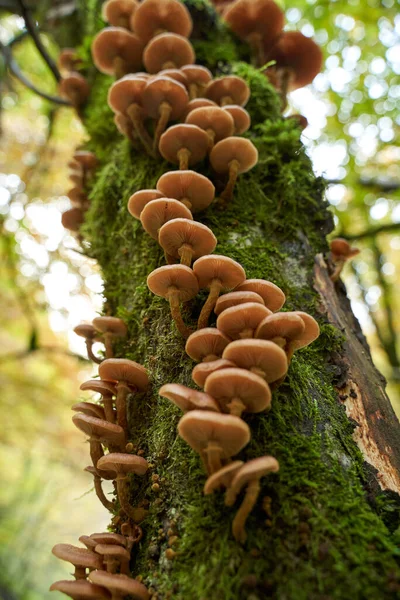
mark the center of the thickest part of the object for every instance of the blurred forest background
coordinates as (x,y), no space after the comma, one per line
(48,286)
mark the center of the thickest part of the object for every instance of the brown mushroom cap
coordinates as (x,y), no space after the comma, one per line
(184,232)
(311,331)
(108,538)
(298,53)
(234,299)
(119,12)
(121,584)
(86,159)
(158,212)
(203,370)
(126,91)
(85,539)
(230,87)
(113,551)
(252,470)
(86,330)
(197,103)
(223,477)
(128,371)
(122,464)
(238,384)
(176,74)
(88,408)
(233,148)
(99,429)
(68,59)
(105,388)
(188,186)
(300,120)
(251,18)
(116,42)
(242,319)
(81,590)
(183,136)
(179,277)
(162,89)
(240,116)
(272,295)
(212,118)
(200,428)
(72,219)
(154,16)
(77,196)
(188,399)
(138,201)
(110,325)
(288,326)
(229,272)
(167,50)
(260,356)
(206,342)
(197,74)
(79,557)
(341,249)
(75,87)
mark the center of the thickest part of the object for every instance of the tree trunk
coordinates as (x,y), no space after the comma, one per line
(324,526)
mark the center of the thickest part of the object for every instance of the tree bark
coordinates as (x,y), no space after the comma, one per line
(325,525)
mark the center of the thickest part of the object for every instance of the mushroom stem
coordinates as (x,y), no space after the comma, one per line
(176,314)
(211,138)
(183,157)
(213,452)
(186,254)
(91,355)
(80,572)
(119,67)
(108,408)
(120,404)
(165,114)
(236,407)
(169,65)
(135,114)
(108,345)
(239,522)
(255,42)
(101,495)
(193,91)
(285,79)
(246,334)
(258,372)
(210,358)
(215,290)
(337,271)
(230,186)
(187,203)
(123,497)
(96,450)
(227,100)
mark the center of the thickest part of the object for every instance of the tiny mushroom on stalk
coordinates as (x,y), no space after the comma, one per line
(262,357)
(99,488)
(158,212)
(187,399)
(242,320)
(117,51)
(234,299)
(272,295)
(282,329)
(122,465)
(183,144)
(75,88)
(238,391)
(214,436)
(114,557)
(216,122)
(202,371)
(87,331)
(119,12)
(78,197)
(138,201)
(341,252)
(177,284)
(107,390)
(81,558)
(88,408)
(206,345)
(223,477)
(130,378)
(233,155)
(81,590)
(167,51)
(216,273)
(186,240)
(248,475)
(68,59)
(72,219)
(240,116)
(164,99)
(228,90)
(192,189)
(111,328)
(153,17)
(99,431)
(198,78)
(198,103)
(120,585)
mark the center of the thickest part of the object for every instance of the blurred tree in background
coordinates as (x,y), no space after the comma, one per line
(47,285)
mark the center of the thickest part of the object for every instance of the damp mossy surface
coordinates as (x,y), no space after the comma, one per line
(314,533)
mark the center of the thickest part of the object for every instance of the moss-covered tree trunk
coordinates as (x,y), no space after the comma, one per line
(323,527)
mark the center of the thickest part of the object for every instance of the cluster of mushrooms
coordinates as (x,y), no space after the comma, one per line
(249,350)
(82,167)
(73,85)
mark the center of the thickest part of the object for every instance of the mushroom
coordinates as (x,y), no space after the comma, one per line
(176,74)
(99,431)
(99,488)
(114,557)
(167,51)
(214,436)
(122,465)
(183,144)
(198,78)
(248,475)
(68,60)
(75,88)
(186,239)
(197,103)
(282,329)
(154,17)
(238,391)
(206,345)
(119,12)
(223,477)
(258,22)
(300,120)
(228,90)
(241,321)
(87,541)
(240,116)
(233,155)
(120,585)
(177,284)
(216,122)
(81,558)
(310,334)
(130,377)
(272,295)
(125,96)
(124,126)
(108,538)
(87,160)
(138,201)
(341,252)
(116,51)
(88,408)
(203,370)
(78,197)
(107,390)
(72,219)
(234,299)
(187,399)
(158,212)
(192,189)
(216,273)
(261,357)
(111,328)
(81,590)
(164,99)
(90,334)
